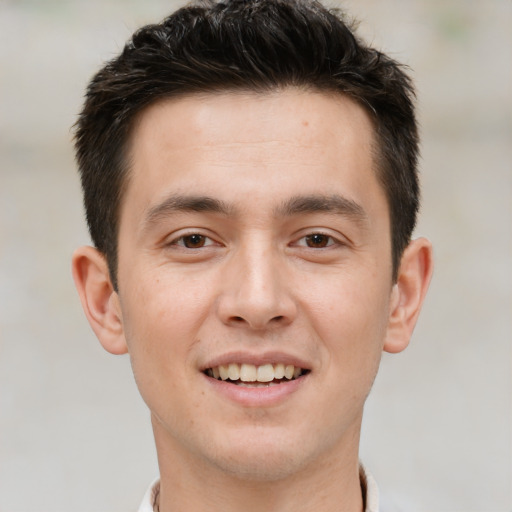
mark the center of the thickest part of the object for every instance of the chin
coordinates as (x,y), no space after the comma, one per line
(268,467)
(261,457)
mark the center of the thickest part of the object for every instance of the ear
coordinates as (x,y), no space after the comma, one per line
(408,294)
(99,299)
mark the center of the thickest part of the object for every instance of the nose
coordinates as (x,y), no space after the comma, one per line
(256,293)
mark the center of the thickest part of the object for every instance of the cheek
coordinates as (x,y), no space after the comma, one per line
(162,320)
(164,304)
(350,315)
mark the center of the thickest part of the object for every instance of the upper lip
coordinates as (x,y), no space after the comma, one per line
(256,359)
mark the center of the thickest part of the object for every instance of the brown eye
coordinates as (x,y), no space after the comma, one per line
(318,240)
(194,241)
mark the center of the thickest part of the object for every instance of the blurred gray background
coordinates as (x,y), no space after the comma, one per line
(74,433)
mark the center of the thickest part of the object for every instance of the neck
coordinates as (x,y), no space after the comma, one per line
(189,483)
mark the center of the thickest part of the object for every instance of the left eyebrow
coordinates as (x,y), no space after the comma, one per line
(185,203)
(334,204)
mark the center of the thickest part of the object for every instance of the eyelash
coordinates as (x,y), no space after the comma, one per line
(330,240)
(181,241)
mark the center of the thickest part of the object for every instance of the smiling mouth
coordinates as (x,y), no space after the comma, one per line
(249,375)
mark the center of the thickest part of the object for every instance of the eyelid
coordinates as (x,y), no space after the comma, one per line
(208,241)
(335,240)
(176,239)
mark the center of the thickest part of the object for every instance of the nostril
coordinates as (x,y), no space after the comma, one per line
(258,322)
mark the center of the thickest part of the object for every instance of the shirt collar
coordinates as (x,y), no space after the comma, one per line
(370,490)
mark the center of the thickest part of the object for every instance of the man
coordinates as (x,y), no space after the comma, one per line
(249,176)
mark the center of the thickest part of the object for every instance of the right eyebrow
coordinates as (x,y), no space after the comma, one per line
(185,203)
(334,204)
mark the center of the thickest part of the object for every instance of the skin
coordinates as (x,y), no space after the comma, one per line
(288,257)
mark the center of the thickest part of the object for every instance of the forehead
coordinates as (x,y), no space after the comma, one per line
(316,114)
(213,141)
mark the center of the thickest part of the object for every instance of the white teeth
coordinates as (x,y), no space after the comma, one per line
(257,384)
(233,371)
(223,372)
(249,373)
(265,373)
(279,371)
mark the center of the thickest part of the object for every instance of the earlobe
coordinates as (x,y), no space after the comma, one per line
(408,294)
(99,299)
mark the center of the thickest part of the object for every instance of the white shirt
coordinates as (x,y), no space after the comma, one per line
(368,485)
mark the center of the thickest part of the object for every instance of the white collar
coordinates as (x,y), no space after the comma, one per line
(149,500)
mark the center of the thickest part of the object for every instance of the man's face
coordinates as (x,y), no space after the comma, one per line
(253,233)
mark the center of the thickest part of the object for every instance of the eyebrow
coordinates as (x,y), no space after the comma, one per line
(334,204)
(180,203)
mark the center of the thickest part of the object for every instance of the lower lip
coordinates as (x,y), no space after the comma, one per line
(257,397)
